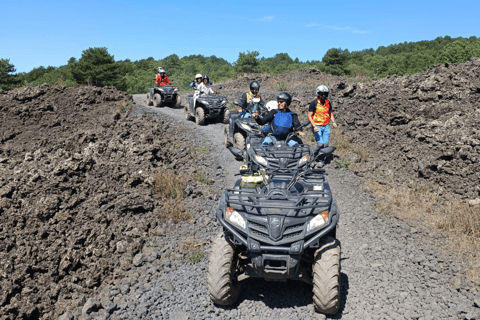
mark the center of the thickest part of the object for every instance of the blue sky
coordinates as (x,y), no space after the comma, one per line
(42,33)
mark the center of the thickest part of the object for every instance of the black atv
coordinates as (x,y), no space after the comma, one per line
(279,223)
(202,107)
(164,95)
(236,131)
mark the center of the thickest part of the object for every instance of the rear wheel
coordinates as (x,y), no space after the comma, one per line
(226,138)
(149,101)
(157,100)
(326,276)
(200,116)
(186,113)
(239,141)
(226,112)
(223,287)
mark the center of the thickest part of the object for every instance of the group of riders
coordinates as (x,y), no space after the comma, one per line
(280,121)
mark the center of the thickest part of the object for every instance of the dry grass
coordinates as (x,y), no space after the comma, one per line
(455,219)
(193,249)
(169,187)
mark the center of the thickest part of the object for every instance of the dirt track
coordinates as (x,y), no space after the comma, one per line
(81,237)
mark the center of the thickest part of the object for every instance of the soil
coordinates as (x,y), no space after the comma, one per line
(80,228)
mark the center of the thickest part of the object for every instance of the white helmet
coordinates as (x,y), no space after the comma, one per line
(160,70)
(198,75)
(271,105)
(322,88)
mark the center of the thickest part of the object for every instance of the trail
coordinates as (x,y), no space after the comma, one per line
(389,270)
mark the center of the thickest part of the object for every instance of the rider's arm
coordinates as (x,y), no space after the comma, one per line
(266,117)
(311,111)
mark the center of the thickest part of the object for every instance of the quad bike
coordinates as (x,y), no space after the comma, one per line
(201,107)
(235,132)
(166,95)
(279,223)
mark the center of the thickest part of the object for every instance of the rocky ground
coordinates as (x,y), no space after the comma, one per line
(83,235)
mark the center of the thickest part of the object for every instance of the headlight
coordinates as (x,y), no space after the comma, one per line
(261,160)
(318,221)
(224,101)
(204,102)
(303,160)
(246,127)
(176,89)
(235,218)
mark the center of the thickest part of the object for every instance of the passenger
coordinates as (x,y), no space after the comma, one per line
(198,80)
(319,115)
(282,121)
(247,107)
(161,78)
(205,88)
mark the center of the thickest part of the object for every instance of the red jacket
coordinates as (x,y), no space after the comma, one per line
(159,82)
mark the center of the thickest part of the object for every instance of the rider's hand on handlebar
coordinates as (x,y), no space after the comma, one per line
(315,129)
(301,134)
(239,110)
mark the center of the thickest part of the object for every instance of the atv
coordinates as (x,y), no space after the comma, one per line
(166,95)
(279,223)
(201,107)
(235,133)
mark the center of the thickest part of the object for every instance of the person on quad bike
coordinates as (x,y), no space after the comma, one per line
(195,83)
(161,78)
(247,107)
(281,122)
(205,88)
(319,115)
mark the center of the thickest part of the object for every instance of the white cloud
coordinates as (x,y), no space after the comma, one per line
(267,18)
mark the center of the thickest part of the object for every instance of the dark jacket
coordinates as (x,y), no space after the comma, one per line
(247,107)
(270,115)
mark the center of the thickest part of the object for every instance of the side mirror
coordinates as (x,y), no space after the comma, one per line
(237,103)
(236,152)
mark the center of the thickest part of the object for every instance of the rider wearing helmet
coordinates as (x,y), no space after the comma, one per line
(195,83)
(205,87)
(282,121)
(320,114)
(161,78)
(247,106)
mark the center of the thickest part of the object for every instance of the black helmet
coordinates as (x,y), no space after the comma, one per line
(205,76)
(285,96)
(255,85)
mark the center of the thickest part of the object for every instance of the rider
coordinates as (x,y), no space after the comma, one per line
(319,115)
(161,78)
(282,121)
(198,80)
(246,106)
(205,87)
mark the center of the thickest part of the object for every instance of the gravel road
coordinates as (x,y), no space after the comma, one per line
(389,269)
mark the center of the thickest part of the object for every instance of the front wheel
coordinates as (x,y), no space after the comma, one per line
(226,137)
(239,141)
(326,276)
(157,100)
(200,116)
(186,113)
(149,101)
(226,112)
(223,287)
(178,102)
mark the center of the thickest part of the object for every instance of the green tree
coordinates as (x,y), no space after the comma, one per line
(335,61)
(97,67)
(7,80)
(247,62)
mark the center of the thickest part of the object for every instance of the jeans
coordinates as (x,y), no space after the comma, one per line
(267,141)
(323,134)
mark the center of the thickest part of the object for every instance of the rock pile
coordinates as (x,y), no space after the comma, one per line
(76,193)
